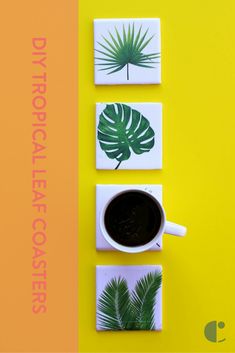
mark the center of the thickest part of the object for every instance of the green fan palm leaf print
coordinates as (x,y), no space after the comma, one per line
(119,50)
(122,130)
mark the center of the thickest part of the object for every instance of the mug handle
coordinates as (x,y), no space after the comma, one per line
(175,229)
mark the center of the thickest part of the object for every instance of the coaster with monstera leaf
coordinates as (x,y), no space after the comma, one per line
(127,51)
(129,298)
(129,136)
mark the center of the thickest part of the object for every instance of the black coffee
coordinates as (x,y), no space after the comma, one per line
(132,218)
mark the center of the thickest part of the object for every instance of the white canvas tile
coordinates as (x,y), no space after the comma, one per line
(110,279)
(110,38)
(104,193)
(130,133)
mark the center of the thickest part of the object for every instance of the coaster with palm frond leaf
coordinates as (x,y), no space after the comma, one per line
(120,309)
(120,50)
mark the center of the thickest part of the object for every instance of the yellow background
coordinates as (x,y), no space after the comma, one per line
(197,92)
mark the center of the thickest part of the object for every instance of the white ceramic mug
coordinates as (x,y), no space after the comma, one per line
(165,226)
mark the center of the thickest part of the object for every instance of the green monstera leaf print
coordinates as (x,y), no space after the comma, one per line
(122,130)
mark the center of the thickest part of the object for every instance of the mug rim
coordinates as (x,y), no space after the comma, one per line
(132,249)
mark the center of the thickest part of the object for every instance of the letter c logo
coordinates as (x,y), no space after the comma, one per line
(211,330)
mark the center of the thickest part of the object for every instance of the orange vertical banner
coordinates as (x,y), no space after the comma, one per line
(38,262)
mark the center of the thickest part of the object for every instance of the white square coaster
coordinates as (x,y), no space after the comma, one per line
(129,298)
(128,136)
(104,193)
(127,51)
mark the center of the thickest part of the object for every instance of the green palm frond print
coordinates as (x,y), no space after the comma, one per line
(118,50)
(119,309)
(114,305)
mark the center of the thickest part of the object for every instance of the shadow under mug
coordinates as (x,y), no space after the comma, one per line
(164,227)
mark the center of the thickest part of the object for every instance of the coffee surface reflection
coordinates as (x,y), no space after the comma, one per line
(132,218)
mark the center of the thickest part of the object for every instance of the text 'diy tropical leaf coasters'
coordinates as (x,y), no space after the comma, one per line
(128,298)
(127,51)
(129,136)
